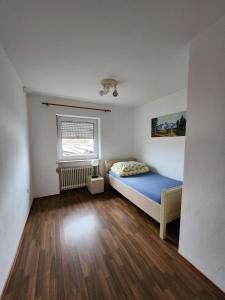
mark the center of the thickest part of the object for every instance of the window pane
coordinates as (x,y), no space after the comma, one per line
(77,147)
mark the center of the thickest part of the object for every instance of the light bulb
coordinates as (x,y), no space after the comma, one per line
(115,93)
(102,93)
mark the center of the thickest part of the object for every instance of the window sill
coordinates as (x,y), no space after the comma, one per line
(75,161)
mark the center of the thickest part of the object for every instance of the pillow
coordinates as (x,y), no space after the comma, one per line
(129,168)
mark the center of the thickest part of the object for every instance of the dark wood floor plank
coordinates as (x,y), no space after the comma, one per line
(79,246)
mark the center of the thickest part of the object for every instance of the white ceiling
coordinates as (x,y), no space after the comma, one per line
(66,47)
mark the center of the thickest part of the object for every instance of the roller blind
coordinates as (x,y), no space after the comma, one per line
(77,130)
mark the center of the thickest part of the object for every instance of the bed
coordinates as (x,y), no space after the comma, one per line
(156,195)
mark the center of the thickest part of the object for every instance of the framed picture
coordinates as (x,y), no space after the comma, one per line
(169,125)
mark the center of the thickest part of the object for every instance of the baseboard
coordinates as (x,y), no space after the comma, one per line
(60,193)
(200,274)
(42,197)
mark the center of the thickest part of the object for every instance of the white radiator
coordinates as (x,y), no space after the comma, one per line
(73,177)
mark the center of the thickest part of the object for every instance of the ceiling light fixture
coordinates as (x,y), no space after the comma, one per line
(107,84)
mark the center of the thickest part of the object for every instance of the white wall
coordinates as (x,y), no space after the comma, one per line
(14,165)
(165,154)
(116,137)
(202,232)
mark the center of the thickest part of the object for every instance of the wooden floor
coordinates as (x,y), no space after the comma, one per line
(78,246)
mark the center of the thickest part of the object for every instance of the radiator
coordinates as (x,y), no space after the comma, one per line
(73,177)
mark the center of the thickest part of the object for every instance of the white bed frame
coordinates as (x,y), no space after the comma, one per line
(164,213)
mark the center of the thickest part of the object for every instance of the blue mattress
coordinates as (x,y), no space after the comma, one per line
(149,184)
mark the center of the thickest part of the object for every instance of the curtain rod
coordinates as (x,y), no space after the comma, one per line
(73,106)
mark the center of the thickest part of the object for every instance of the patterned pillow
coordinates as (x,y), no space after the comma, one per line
(129,168)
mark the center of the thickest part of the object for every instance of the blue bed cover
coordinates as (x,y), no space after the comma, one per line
(149,184)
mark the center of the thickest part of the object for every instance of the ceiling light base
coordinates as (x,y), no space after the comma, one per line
(109,83)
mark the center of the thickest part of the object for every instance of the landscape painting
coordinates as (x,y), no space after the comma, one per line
(169,125)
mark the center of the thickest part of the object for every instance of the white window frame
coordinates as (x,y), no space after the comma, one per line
(63,118)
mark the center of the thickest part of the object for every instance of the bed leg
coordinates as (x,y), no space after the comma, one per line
(162,233)
(162,230)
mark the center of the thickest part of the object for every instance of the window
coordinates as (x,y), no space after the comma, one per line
(77,138)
